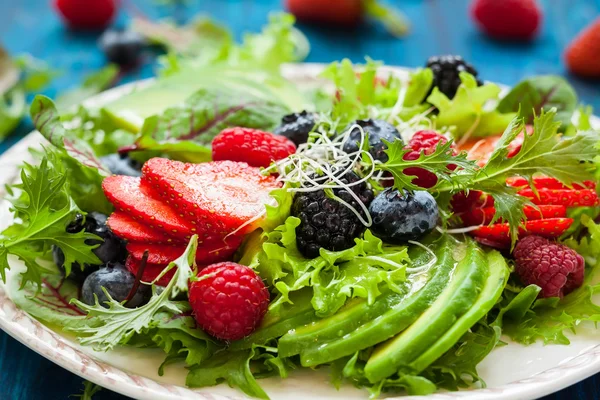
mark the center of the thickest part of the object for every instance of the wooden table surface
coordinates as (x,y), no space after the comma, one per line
(439,27)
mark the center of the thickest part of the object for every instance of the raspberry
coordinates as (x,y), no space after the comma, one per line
(257,148)
(424,142)
(507,19)
(88,14)
(229,300)
(554,267)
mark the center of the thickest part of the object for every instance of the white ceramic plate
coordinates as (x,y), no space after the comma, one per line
(511,372)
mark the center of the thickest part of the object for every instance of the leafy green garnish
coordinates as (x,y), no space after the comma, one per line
(43,208)
(334,276)
(104,328)
(89,390)
(545,92)
(83,168)
(92,84)
(467,111)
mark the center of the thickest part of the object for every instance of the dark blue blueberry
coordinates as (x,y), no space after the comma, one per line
(377,130)
(118,282)
(399,217)
(296,127)
(77,274)
(122,165)
(122,47)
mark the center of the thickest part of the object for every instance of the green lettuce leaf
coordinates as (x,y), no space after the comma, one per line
(92,84)
(83,168)
(43,208)
(186,132)
(544,92)
(12,109)
(334,276)
(467,111)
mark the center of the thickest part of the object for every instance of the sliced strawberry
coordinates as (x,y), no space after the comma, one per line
(206,254)
(548,228)
(129,229)
(136,200)
(544,182)
(151,271)
(224,195)
(483,216)
(561,197)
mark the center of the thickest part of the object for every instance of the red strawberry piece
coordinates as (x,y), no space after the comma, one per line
(136,200)
(560,197)
(206,254)
(257,148)
(483,216)
(583,54)
(336,12)
(554,267)
(222,195)
(229,300)
(87,14)
(127,228)
(151,271)
(544,182)
(424,142)
(462,202)
(502,245)
(549,228)
(507,19)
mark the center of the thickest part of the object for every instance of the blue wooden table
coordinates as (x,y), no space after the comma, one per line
(439,27)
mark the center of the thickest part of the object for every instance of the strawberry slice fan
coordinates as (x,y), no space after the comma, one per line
(219,201)
(548,218)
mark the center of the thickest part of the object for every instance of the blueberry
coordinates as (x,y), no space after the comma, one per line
(110,249)
(77,274)
(122,47)
(377,130)
(296,127)
(118,282)
(122,165)
(399,217)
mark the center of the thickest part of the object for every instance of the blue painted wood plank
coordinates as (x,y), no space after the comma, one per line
(439,27)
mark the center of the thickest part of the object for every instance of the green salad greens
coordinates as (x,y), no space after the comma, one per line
(388,242)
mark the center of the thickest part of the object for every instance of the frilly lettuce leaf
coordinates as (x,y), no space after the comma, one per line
(468,111)
(334,276)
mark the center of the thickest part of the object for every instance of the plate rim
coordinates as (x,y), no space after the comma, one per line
(51,345)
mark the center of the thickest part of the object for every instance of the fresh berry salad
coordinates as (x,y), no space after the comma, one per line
(389,229)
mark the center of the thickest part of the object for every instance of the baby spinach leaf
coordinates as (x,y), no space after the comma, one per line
(544,92)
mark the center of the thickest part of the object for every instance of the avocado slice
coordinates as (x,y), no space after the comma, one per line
(474,288)
(361,326)
(129,111)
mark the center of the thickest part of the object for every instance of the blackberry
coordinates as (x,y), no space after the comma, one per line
(399,217)
(446,73)
(296,127)
(327,223)
(122,47)
(377,130)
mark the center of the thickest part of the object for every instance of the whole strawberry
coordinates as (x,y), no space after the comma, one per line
(257,148)
(228,300)
(424,142)
(87,14)
(508,19)
(583,54)
(554,267)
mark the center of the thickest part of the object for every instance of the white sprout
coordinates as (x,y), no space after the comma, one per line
(384,261)
(428,264)
(459,230)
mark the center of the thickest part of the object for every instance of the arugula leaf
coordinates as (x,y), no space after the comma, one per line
(232,367)
(83,168)
(532,95)
(334,276)
(436,162)
(43,209)
(467,110)
(104,328)
(92,84)
(89,390)
(186,132)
